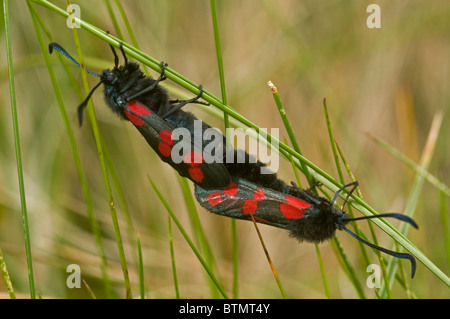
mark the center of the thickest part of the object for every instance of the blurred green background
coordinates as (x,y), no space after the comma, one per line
(389,82)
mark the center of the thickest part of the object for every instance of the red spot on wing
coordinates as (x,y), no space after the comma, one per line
(193,158)
(214,199)
(135,111)
(196,174)
(231,190)
(164,149)
(134,119)
(166,137)
(249,207)
(138,108)
(294,207)
(259,195)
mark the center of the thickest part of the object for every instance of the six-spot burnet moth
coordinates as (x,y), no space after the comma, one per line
(232,189)
(307,217)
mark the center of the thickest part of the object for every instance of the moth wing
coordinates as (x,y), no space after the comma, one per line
(158,134)
(243,199)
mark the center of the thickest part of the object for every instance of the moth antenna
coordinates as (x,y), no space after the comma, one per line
(401,217)
(58,47)
(387,251)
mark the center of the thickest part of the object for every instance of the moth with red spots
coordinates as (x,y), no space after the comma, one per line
(306,216)
(233,189)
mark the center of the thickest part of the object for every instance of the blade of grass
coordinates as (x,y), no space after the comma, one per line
(91,293)
(357,230)
(6,278)
(289,130)
(200,237)
(140,268)
(187,238)
(234,242)
(15,121)
(433,180)
(336,154)
(90,109)
(122,203)
(172,258)
(79,167)
(411,205)
(272,267)
(305,171)
(347,267)
(114,20)
(445,224)
(128,27)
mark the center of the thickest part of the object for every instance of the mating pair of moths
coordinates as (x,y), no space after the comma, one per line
(236,190)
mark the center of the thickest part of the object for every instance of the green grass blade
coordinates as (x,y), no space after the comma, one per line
(140,268)
(322,272)
(289,130)
(106,180)
(234,242)
(413,199)
(274,271)
(15,121)
(113,18)
(187,238)
(347,267)
(356,228)
(432,179)
(79,167)
(445,224)
(305,171)
(172,258)
(6,278)
(351,274)
(197,229)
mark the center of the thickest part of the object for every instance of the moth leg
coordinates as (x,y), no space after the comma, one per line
(182,103)
(162,77)
(314,185)
(125,59)
(306,193)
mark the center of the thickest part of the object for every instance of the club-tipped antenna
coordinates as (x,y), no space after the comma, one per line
(58,47)
(82,106)
(401,217)
(387,251)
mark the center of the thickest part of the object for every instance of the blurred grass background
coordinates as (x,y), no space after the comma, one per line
(389,82)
